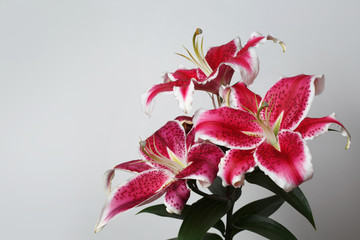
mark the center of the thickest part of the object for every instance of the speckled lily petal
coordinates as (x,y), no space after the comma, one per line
(203,160)
(234,165)
(167,142)
(132,193)
(288,167)
(176,196)
(293,96)
(228,127)
(240,97)
(310,128)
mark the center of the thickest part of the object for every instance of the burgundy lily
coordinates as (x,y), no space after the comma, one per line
(169,159)
(213,70)
(269,133)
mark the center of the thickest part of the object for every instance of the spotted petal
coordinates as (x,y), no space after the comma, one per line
(240,97)
(293,96)
(176,196)
(234,165)
(310,128)
(203,161)
(228,127)
(132,193)
(288,167)
(167,144)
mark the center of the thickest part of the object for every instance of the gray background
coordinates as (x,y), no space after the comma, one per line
(71,76)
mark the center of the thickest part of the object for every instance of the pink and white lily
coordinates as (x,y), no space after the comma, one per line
(213,70)
(269,133)
(169,159)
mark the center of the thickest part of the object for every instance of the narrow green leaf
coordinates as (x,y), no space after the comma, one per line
(263,207)
(219,225)
(295,197)
(217,188)
(201,216)
(160,210)
(265,227)
(211,236)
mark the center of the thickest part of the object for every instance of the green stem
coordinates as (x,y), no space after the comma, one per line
(229,225)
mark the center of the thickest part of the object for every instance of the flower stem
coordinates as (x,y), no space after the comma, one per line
(229,227)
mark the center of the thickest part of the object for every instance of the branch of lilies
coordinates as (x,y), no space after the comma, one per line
(213,70)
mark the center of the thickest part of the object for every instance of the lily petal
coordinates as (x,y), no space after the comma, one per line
(227,127)
(217,55)
(184,94)
(136,166)
(234,165)
(176,196)
(310,128)
(240,97)
(147,98)
(132,193)
(167,143)
(288,167)
(203,161)
(293,96)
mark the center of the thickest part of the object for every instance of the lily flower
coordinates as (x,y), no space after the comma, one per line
(269,133)
(213,70)
(169,159)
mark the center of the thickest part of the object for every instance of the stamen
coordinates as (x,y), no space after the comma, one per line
(199,53)
(173,164)
(275,40)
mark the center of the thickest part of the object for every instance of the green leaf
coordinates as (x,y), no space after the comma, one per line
(207,236)
(295,197)
(201,216)
(219,225)
(160,210)
(265,227)
(263,207)
(217,188)
(211,236)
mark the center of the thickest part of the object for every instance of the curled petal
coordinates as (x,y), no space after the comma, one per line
(176,196)
(203,160)
(184,119)
(147,98)
(246,60)
(108,177)
(288,167)
(293,96)
(184,94)
(132,193)
(217,55)
(310,128)
(181,75)
(240,97)
(136,166)
(234,165)
(228,127)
